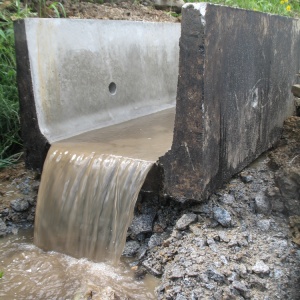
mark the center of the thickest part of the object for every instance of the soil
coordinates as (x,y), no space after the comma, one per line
(243,243)
(133,11)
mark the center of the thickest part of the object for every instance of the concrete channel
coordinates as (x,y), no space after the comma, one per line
(227,70)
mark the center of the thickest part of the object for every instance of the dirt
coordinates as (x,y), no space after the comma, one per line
(17,183)
(133,11)
(243,243)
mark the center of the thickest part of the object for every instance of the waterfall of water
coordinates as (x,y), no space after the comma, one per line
(86,202)
(90,184)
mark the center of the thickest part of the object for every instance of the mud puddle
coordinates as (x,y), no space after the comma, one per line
(30,273)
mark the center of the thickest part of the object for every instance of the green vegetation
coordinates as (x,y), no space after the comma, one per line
(280,7)
(10,141)
(1,274)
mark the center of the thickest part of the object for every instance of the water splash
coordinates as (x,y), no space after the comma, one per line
(86,202)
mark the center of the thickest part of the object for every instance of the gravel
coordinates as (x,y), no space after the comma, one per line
(242,243)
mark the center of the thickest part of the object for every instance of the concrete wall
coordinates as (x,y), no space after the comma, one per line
(235,73)
(79,75)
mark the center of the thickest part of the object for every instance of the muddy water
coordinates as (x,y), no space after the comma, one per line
(87,196)
(90,185)
(30,273)
(145,138)
(86,202)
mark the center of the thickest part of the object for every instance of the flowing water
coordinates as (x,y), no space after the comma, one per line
(31,273)
(85,204)
(90,185)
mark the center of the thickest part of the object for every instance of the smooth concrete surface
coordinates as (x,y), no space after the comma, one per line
(80,75)
(235,73)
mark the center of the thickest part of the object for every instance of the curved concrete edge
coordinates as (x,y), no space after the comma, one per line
(235,72)
(79,75)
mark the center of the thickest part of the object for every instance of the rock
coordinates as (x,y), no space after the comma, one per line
(246,178)
(19,205)
(142,252)
(296,90)
(201,243)
(107,293)
(288,181)
(224,259)
(140,273)
(2,228)
(223,237)
(192,271)
(156,240)
(153,268)
(262,204)
(233,277)
(222,216)
(241,287)
(35,186)
(196,230)
(180,297)
(297,104)
(260,268)
(31,200)
(242,271)
(215,275)
(278,273)
(210,286)
(227,199)
(176,272)
(212,245)
(14,230)
(142,224)
(4,212)
(131,248)
(202,208)
(185,221)
(294,222)
(263,225)
(258,284)
(176,234)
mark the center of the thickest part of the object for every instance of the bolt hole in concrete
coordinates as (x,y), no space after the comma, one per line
(112,88)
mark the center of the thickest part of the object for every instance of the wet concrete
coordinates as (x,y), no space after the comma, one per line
(235,72)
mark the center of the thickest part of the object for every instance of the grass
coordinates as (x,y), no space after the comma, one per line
(10,141)
(281,7)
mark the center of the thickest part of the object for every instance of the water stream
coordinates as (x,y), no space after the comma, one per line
(85,204)
(31,273)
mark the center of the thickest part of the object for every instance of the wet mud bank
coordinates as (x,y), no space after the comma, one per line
(243,243)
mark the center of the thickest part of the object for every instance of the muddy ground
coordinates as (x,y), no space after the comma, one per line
(243,243)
